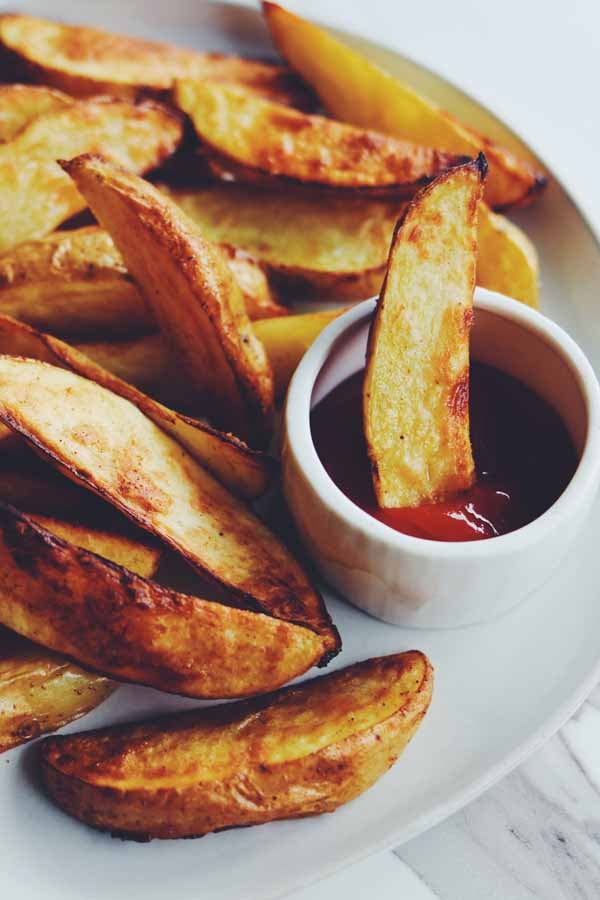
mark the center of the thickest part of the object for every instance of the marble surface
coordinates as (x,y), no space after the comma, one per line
(537,833)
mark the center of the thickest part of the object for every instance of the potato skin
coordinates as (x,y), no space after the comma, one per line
(295,753)
(86,62)
(194,297)
(20,103)
(41,691)
(354,89)
(246,472)
(115,622)
(37,196)
(258,142)
(74,284)
(311,248)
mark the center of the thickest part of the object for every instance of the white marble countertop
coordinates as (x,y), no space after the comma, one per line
(537,65)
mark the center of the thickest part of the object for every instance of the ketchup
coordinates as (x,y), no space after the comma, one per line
(524,459)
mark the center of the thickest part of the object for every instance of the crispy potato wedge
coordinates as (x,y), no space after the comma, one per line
(246,472)
(336,249)
(301,751)
(146,362)
(149,363)
(74,283)
(260,298)
(36,195)
(88,61)
(117,623)
(339,249)
(41,691)
(143,559)
(507,261)
(286,346)
(106,444)
(356,90)
(260,142)
(21,103)
(193,295)
(416,387)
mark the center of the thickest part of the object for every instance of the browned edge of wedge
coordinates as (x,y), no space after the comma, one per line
(115,622)
(304,750)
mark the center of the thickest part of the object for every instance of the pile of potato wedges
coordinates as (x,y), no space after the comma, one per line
(169,219)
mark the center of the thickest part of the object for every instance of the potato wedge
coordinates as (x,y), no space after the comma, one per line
(507,261)
(88,61)
(21,103)
(106,444)
(246,472)
(416,387)
(146,362)
(117,623)
(355,90)
(41,691)
(311,249)
(143,559)
(191,291)
(259,296)
(286,346)
(149,363)
(339,249)
(302,751)
(260,142)
(36,196)
(74,283)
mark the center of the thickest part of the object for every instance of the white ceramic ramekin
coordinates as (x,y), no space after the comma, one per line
(418,582)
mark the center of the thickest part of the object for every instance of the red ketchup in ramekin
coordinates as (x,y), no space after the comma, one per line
(524,459)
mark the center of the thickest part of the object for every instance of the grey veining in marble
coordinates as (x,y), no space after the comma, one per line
(535,835)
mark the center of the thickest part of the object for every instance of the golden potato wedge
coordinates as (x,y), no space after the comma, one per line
(507,261)
(286,346)
(355,90)
(416,387)
(106,444)
(21,103)
(246,472)
(259,296)
(339,249)
(88,61)
(261,142)
(336,249)
(122,625)
(149,363)
(143,559)
(36,195)
(146,362)
(41,691)
(74,283)
(192,293)
(302,751)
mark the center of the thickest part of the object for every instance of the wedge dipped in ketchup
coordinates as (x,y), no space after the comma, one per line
(524,459)
(429,457)
(416,387)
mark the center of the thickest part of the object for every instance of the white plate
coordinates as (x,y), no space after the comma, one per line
(502,689)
